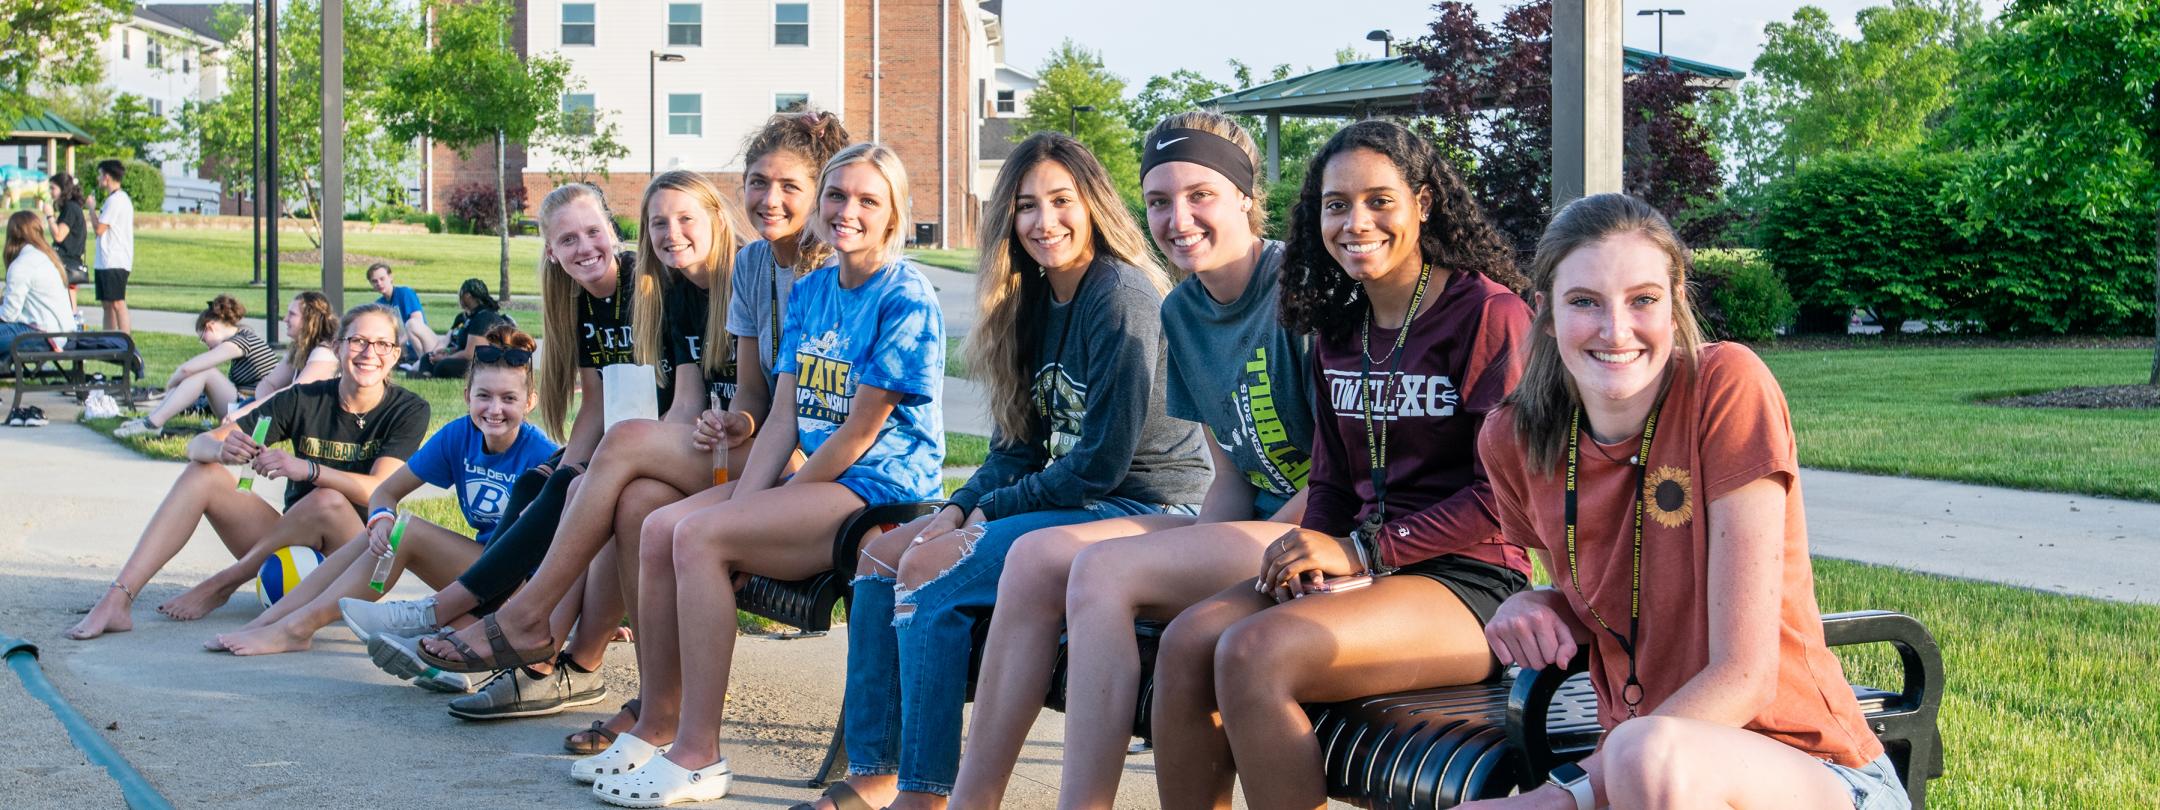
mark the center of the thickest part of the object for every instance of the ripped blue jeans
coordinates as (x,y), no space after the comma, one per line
(907,679)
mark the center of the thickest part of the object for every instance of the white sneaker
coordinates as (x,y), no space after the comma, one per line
(405,617)
(139,426)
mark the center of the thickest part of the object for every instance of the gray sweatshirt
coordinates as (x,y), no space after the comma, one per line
(1101,375)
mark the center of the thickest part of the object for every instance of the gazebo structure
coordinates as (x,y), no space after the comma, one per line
(47,133)
(1392,86)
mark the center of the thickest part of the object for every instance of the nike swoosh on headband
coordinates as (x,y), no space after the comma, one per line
(1166,144)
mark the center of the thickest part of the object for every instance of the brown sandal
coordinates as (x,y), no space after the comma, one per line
(843,797)
(578,743)
(500,655)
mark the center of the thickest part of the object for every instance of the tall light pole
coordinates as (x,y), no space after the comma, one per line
(1660,14)
(1072,126)
(652,106)
(1385,39)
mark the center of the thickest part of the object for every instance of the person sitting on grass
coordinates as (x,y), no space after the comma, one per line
(477,457)
(419,339)
(347,435)
(311,357)
(249,360)
(1657,477)
(477,316)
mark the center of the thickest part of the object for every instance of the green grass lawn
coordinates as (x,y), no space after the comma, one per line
(1916,412)
(961,259)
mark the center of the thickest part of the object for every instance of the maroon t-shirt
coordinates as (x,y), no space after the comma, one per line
(1464,354)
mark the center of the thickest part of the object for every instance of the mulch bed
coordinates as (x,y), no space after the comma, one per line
(2104,396)
(352,259)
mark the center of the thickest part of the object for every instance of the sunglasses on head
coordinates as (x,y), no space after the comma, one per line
(496,355)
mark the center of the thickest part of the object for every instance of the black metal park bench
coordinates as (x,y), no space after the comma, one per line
(34,365)
(1432,748)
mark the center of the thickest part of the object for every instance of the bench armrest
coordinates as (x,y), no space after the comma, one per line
(867,520)
(1529,705)
(1916,648)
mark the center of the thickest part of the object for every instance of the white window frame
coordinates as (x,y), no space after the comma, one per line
(780,105)
(686,124)
(591,108)
(592,26)
(696,28)
(806,22)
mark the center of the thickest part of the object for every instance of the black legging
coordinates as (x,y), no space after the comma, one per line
(520,543)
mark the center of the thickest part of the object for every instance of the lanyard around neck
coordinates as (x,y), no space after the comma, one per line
(1376,436)
(1632,692)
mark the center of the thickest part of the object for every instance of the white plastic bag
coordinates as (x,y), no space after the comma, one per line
(631,393)
(100,405)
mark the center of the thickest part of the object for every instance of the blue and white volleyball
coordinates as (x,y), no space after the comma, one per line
(283,572)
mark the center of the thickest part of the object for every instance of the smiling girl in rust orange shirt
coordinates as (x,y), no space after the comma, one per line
(1633,448)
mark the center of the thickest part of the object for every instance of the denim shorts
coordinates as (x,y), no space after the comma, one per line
(1875,786)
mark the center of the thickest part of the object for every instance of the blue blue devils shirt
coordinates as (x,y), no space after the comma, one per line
(456,459)
(887,333)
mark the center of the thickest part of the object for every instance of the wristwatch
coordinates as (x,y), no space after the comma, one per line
(1576,781)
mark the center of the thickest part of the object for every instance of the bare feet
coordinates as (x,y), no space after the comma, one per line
(110,615)
(217,643)
(622,634)
(521,636)
(266,641)
(198,601)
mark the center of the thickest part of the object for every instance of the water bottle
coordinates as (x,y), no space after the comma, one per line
(382,566)
(719,451)
(247,475)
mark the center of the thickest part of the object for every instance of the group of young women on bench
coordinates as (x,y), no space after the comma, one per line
(1327,462)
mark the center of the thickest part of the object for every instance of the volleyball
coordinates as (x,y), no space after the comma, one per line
(283,572)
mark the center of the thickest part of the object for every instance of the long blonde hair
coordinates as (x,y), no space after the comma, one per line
(887,163)
(1010,285)
(558,311)
(1545,400)
(655,281)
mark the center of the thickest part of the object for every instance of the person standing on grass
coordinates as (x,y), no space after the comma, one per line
(115,245)
(419,339)
(1657,477)
(1398,562)
(69,224)
(347,435)
(248,360)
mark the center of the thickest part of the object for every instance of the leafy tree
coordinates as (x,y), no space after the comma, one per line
(1074,77)
(581,144)
(1814,92)
(471,87)
(122,124)
(377,32)
(2065,114)
(51,44)
(1185,89)
(1491,98)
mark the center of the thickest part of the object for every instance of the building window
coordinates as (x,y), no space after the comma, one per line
(685,24)
(126,45)
(686,114)
(577,24)
(791,24)
(187,63)
(791,102)
(577,111)
(153,52)
(1006,103)
(157,107)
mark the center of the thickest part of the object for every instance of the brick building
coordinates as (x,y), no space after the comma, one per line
(909,73)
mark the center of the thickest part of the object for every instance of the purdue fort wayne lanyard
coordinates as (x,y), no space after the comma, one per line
(1376,438)
(1632,693)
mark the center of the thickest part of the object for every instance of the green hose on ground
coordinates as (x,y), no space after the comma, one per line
(21,656)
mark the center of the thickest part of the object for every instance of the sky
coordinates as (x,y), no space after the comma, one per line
(1142,38)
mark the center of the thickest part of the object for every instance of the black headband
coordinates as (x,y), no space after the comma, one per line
(1201,148)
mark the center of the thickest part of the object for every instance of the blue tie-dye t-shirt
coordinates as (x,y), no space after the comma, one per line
(886,333)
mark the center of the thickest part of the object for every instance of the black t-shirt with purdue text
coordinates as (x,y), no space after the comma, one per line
(687,307)
(321,431)
(604,323)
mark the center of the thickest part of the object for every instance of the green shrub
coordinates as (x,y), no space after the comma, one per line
(1740,296)
(1864,230)
(2046,269)
(144,184)
(626,227)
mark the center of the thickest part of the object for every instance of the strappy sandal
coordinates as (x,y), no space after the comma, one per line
(578,743)
(625,755)
(499,656)
(843,797)
(663,783)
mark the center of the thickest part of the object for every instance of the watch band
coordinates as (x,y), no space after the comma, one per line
(1573,779)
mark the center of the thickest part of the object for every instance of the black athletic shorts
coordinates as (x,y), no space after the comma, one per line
(1481,586)
(111,284)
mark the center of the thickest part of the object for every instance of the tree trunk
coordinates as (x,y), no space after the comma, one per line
(2155,378)
(502,218)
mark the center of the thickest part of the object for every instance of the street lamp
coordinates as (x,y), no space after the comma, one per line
(1073,127)
(1660,14)
(1384,38)
(652,107)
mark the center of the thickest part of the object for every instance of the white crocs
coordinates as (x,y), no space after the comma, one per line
(626,754)
(662,782)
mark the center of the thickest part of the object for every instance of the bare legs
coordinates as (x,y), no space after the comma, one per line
(182,396)
(783,533)
(1677,762)
(1022,650)
(1257,661)
(322,520)
(202,491)
(436,554)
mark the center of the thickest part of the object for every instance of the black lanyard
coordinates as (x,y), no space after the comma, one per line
(1376,438)
(774,277)
(1632,693)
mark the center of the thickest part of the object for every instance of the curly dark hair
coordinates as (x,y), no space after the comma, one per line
(1318,297)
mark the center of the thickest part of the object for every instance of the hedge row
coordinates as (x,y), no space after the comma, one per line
(1880,232)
